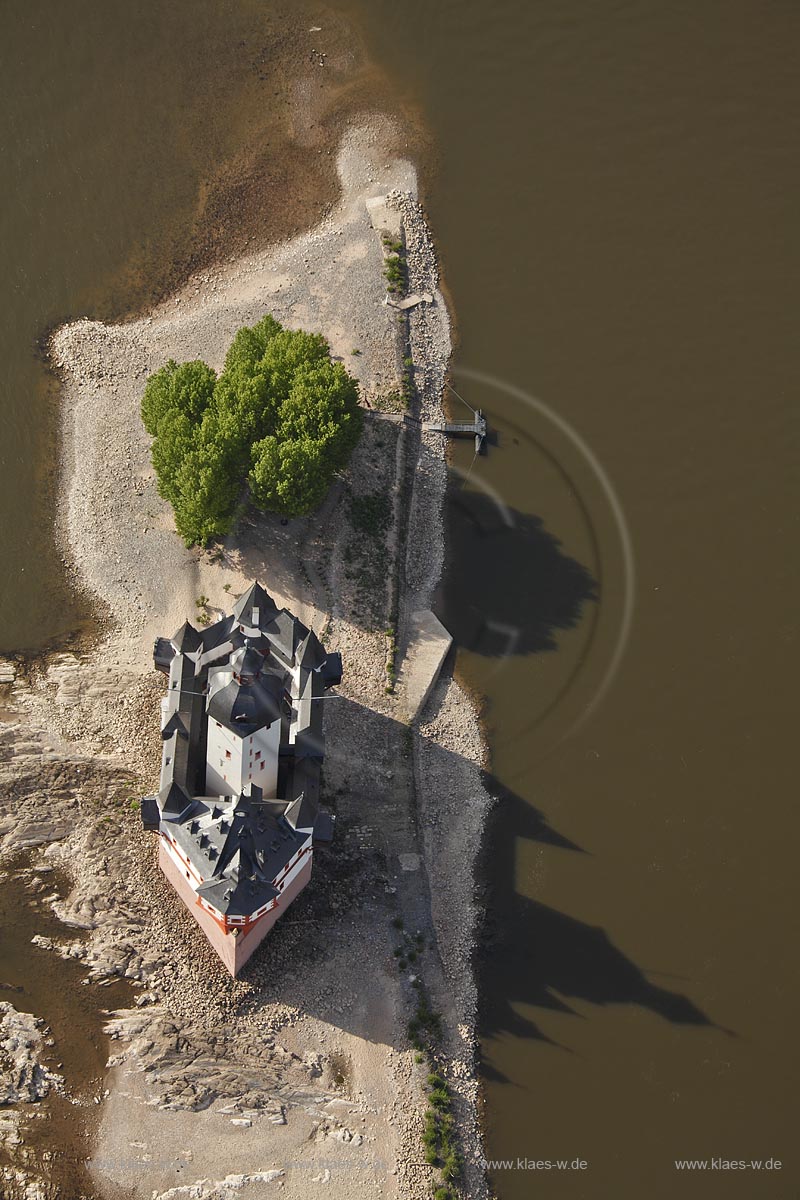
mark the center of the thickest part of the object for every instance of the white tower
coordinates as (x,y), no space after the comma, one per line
(244,726)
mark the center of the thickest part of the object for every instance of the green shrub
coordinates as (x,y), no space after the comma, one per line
(394,272)
(451,1165)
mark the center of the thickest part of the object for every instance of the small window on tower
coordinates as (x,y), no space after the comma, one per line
(258,755)
(227,753)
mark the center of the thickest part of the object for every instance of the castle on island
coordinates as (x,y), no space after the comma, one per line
(237,812)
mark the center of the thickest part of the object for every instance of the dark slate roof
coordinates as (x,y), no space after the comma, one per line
(187,639)
(247,662)
(280,630)
(309,744)
(255,597)
(260,644)
(174,801)
(308,650)
(331,670)
(302,813)
(221,631)
(151,814)
(237,898)
(324,827)
(176,724)
(245,707)
(238,849)
(184,734)
(163,654)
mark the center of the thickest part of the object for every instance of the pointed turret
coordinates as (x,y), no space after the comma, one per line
(175,724)
(302,813)
(175,803)
(255,608)
(186,639)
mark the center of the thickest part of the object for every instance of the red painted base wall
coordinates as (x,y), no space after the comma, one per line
(234,951)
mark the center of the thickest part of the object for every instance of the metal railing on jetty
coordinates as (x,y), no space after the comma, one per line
(476,428)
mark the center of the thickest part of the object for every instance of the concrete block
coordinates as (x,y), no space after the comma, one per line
(428,645)
(384,219)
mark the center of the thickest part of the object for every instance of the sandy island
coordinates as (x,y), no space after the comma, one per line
(299,1075)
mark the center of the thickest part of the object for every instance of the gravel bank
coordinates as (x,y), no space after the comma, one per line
(299,1071)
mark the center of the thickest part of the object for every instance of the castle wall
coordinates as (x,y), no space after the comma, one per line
(234,951)
(213,931)
(246,945)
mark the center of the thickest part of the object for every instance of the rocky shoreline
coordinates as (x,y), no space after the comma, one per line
(305,1049)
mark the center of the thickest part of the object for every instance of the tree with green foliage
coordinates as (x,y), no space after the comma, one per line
(281,417)
(288,477)
(188,389)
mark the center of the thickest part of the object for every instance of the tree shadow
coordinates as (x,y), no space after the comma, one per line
(535,956)
(509,587)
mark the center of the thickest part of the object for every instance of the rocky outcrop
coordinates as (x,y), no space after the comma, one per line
(24,1078)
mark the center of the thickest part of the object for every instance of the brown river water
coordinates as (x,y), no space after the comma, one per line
(613,190)
(73,1011)
(614,202)
(136,143)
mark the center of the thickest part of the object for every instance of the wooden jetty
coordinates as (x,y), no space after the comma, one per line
(476,429)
